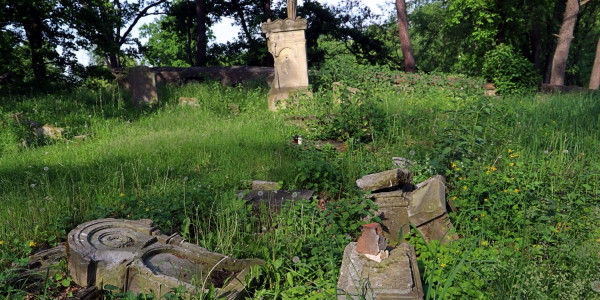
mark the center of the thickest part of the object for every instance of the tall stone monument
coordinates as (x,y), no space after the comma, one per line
(287,44)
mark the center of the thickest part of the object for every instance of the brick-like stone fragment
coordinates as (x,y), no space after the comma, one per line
(259,185)
(384,180)
(371,241)
(392,210)
(428,201)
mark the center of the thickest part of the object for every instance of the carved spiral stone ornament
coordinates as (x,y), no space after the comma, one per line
(135,256)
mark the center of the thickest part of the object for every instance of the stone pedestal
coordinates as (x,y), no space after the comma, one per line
(287,44)
(396,277)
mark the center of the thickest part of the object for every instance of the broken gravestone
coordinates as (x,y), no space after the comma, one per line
(134,256)
(141,82)
(427,210)
(49,132)
(286,42)
(400,204)
(395,277)
(392,211)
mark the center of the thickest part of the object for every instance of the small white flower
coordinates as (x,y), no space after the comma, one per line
(46,169)
(32,185)
(85,125)
(546,152)
(295,259)
(185,178)
(565,151)
(89,116)
(148,169)
(411,152)
(46,153)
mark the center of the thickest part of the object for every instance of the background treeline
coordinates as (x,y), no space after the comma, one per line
(509,42)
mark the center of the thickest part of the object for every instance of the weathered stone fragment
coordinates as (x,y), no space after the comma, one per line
(428,201)
(371,241)
(50,132)
(403,163)
(396,277)
(392,210)
(134,256)
(384,180)
(259,185)
(440,229)
(142,86)
(189,101)
(275,200)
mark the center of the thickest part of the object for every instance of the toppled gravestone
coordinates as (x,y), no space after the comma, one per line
(384,180)
(396,277)
(134,256)
(273,200)
(427,210)
(400,204)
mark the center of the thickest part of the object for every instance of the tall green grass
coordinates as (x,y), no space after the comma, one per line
(522,170)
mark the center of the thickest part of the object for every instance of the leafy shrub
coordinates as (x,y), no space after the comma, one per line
(316,172)
(510,72)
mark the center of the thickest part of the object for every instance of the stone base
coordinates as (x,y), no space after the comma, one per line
(286,97)
(396,277)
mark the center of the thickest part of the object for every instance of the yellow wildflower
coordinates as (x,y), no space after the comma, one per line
(464,187)
(32,244)
(516,190)
(1,242)
(482,215)
(460,178)
(514,155)
(505,191)
(487,172)
(509,150)
(147,209)
(493,168)
(512,164)
(457,169)
(485,200)
(128,216)
(476,219)
(484,243)
(443,265)
(453,197)
(453,165)
(457,251)
(121,194)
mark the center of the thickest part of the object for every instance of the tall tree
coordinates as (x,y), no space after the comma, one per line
(407,52)
(565,36)
(200,33)
(107,25)
(595,78)
(43,25)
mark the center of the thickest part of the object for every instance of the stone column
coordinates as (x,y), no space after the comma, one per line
(287,44)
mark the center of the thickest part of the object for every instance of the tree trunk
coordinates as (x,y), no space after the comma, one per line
(565,36)
(33,31)
(113,60)
(201,30)
(189,20)
(407,52)
(267,9)
(595,78)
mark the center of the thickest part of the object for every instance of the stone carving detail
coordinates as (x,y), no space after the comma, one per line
(136,257)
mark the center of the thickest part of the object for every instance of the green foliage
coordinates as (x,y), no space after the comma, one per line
(510,72)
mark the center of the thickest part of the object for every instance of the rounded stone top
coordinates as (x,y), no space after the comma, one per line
(111,234)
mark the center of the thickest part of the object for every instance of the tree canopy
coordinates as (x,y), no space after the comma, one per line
(39,38)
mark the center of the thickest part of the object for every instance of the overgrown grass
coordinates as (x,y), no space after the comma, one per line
(523,172)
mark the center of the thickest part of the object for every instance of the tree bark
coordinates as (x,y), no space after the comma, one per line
(405,45)
(201,33)
(33,32)
(595,78)
(565,36)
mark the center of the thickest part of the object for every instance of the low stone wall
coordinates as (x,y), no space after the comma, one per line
(225,75)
